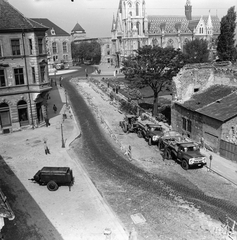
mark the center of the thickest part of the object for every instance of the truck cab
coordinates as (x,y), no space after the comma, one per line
(153,133)
(189,155)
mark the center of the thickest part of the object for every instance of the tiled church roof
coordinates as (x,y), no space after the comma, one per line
(12,19)
(172,23)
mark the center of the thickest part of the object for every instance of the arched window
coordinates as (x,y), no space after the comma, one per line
(138,28)
(137,9)
(5,119)
(64,47)
(22,113)
(54,47)
(170,43)
(154,42)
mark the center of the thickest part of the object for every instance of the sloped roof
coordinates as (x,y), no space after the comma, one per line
(12,19)
(223,109)
(157,22)
(46,22)
(215,22)
(218,102)
(78,28)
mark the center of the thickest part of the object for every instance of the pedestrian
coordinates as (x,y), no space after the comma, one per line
(54,108)
(55,82)
(202,143)
(46,149)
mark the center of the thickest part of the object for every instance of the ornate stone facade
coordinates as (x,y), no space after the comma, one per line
(133,28)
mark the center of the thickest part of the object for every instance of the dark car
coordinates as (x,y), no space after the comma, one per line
(54,177)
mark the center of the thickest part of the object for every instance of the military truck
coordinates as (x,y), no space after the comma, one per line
(54,177)
(129,124)
(150,131)
(181,149)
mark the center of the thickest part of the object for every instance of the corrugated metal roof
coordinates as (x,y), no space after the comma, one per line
(12,19)
(46,22)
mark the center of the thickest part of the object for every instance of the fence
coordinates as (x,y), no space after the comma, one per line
(228,150)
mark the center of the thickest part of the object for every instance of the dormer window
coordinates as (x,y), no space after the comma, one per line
(52,31)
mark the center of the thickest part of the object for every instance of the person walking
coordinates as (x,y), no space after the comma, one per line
(46,149)
(54,108)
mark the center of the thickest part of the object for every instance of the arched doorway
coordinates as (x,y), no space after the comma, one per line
(23,113)
(39,112)
(5,119)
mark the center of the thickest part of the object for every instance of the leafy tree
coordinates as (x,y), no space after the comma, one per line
(196,51)
(226,48)
(86,51)
(154,67)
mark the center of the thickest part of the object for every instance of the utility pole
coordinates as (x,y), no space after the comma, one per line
(63,143)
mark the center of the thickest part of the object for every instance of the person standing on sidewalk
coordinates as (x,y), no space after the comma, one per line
(54,108)
(46,149)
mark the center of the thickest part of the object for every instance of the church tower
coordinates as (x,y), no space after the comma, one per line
(188,10)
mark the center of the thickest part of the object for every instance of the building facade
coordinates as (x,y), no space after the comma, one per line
(204,103)
(133,28)
(24,83)
(58,45)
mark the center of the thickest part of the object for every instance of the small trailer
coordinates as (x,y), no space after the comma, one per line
(54,177)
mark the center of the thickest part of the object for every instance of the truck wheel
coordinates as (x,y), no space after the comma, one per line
(184,165)
(139,134)
(149,141)
(52,186)
(167,154)
(160,145)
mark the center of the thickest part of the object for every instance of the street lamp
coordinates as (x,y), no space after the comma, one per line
(63,143)
(66,96)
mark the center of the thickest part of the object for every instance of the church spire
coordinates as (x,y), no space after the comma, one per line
(188,10)
(113,25)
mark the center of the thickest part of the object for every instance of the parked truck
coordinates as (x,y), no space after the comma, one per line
(184,150)
(151,132)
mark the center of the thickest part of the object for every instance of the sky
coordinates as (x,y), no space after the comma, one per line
(95,16)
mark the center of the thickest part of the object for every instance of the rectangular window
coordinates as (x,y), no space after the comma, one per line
(54,46)
(15,43)
(40,45)
(184,123)
(189,126)
(2,78)
(31,46)
(19,76)
(64,47)
(33,75)
(42,73)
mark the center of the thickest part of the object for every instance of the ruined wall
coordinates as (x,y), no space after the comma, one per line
(195,78)
(229,131)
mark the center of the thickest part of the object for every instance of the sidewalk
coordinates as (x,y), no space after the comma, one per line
(222,166)
(77,214)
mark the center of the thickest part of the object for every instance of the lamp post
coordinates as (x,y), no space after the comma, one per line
(63,143)
(65,96)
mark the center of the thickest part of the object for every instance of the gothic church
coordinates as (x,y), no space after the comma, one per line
(133,28)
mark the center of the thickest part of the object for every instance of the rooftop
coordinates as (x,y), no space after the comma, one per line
(218,102)
(12,20)
(51,26)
